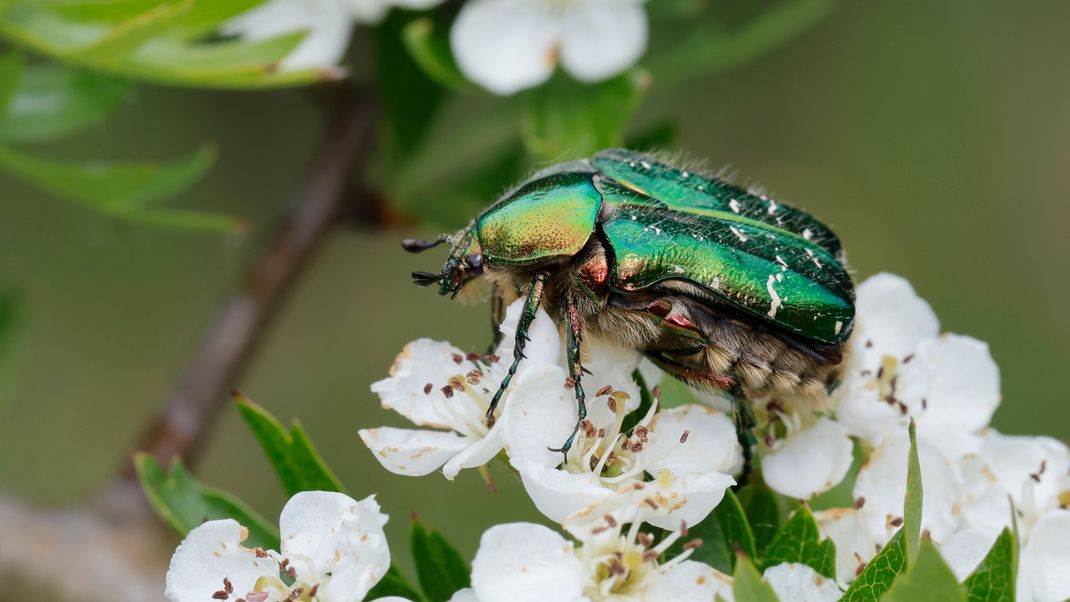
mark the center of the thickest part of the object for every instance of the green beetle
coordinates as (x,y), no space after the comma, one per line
(725,289)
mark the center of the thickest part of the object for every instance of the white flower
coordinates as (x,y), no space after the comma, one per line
(686,452)
(508,45)
(436,385)
(523,562)
(855,544)
(808,461)
(1043,574)
(333,547)
(328,23)
(794,582)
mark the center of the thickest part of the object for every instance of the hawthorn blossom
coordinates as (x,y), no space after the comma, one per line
(509,45)
(436,385)
(333,550)
(328,25)
(795,582)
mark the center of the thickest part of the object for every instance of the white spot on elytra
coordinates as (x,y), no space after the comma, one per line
(734,205)
(736,231)
(783,265)
(775,305)
(644,165)
(715,283)
(678,270)
(780,278)
(807,234)
(839,327)
(772,207)
(685,175)
(813,257)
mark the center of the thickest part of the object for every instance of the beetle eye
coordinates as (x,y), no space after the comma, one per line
(474,261)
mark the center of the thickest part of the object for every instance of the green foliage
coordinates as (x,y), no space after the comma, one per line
(410,97)
(880,572)
(296,462)
(799,541)
(393,583)
(184,503)
(747,584)
(567,120)
(994,578)
(427,41)
(162,42)
(762,507)
(439,566)
(723,533)
(912,505)
(928,580)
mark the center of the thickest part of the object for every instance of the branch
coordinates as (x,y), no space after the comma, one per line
(230,339)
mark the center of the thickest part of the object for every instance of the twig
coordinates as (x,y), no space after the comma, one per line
(230,339)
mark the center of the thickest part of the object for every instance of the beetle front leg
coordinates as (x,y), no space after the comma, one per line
(574,334)
(745,423)
(527,316)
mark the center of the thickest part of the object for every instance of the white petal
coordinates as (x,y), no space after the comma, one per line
(882,483)
(601,38)
(950,383)
(651,374)
(412,452)
(522,562)
(892,319)
(1046,556)
(809,462)
(366,11)
(557,493)
(709,446)
(540,414)
(865,414)
(424,362)
(544,344)
(326,22)
(210,553)
(505,45)
(986,504)
(1033,467)
(800,583)
(854,543)
(689,581)
(694,496)
(479,451)
(464,595)
(964,550)
(340,536)
(626,395)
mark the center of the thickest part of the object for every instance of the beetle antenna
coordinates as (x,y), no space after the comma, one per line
(415,245)
(425,278)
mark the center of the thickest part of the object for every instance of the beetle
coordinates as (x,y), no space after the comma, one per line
(725,289)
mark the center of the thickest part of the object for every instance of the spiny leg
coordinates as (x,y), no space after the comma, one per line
(574,335)
(745,421)
(531,306)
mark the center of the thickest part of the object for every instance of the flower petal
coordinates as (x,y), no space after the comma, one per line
(464,595)
(544,341)
(855,545)
(423,362)
(690,581)
(1046,557)
(327,23)
(800,583)
(964,550)
(523,562)
(557,493)
(811,461)
(892,319)
(479,451)
(1028,467)
(412,452)
(692,497)
(709,445)
(601,38)
(339,536)
(209,554)
(860,408)
(541,413)
(505,45)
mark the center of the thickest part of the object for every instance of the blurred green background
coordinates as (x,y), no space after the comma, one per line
(934,138)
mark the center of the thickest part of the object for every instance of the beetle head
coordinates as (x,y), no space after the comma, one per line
(464,264)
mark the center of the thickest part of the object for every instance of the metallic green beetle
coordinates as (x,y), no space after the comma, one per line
(724,289)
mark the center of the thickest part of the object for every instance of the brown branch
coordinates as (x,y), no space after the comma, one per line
(230,339)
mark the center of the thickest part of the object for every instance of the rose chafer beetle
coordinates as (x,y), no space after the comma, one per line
(724,289)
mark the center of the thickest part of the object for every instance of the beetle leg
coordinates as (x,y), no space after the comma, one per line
(574,335)
(743,413)
(531,306)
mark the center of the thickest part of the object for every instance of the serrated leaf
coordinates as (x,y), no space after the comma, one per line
(128,36)
(184,503)
(912,504)
(12,66)
(994,578)
(439,566)
(296,462)
(53,101)
(879,574)
(762,508)
(800,541)
(928,580)
(748,586)
(428,44)
(393,583)
(569,120)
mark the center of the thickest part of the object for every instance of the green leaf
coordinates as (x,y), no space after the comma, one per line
(880,572)
(568,120)
(54,101)
(126,38)
(439,566)
(393,583)
(762,508)
(410,97)
(428,44)
(929,580)
(675,394)
(646,399)
(297,464)
(723,533)
(12,67)
(748,586)
(184,503)
(800,541)
(912,504)
(993,580)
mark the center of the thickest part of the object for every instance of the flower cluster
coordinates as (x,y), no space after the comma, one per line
(502,45)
